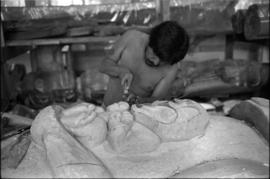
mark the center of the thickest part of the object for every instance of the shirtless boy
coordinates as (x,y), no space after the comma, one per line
(144,66)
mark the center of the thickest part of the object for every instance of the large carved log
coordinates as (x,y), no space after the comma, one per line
(125,135)
(173,121)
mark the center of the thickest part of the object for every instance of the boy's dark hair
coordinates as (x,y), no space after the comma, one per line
(169,41)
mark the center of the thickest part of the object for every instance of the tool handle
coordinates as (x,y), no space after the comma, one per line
(16,119)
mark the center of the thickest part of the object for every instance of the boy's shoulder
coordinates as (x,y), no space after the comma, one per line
(135,34)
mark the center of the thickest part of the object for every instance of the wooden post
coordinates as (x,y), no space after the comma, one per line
(3,46)
(5,89)
(163,10)
(2,36)
(33,59)
(254,52)
(229,43)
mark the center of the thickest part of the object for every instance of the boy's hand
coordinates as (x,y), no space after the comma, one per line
(126,80)
(131,98)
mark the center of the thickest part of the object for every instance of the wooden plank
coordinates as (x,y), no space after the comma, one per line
(48,32)
(80,31)
(57,41)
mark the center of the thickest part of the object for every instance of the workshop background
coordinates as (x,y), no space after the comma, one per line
(51,51)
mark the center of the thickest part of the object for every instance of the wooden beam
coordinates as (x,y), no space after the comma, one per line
(57,41)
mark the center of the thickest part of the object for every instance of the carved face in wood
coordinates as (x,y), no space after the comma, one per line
(172,121)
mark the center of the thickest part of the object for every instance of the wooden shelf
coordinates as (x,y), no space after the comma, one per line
(57,41)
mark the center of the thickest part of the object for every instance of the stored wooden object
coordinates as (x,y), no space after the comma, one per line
(238,20)
(256,24)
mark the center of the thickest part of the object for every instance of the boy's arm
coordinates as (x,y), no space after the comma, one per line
(110,65)
(162,90)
